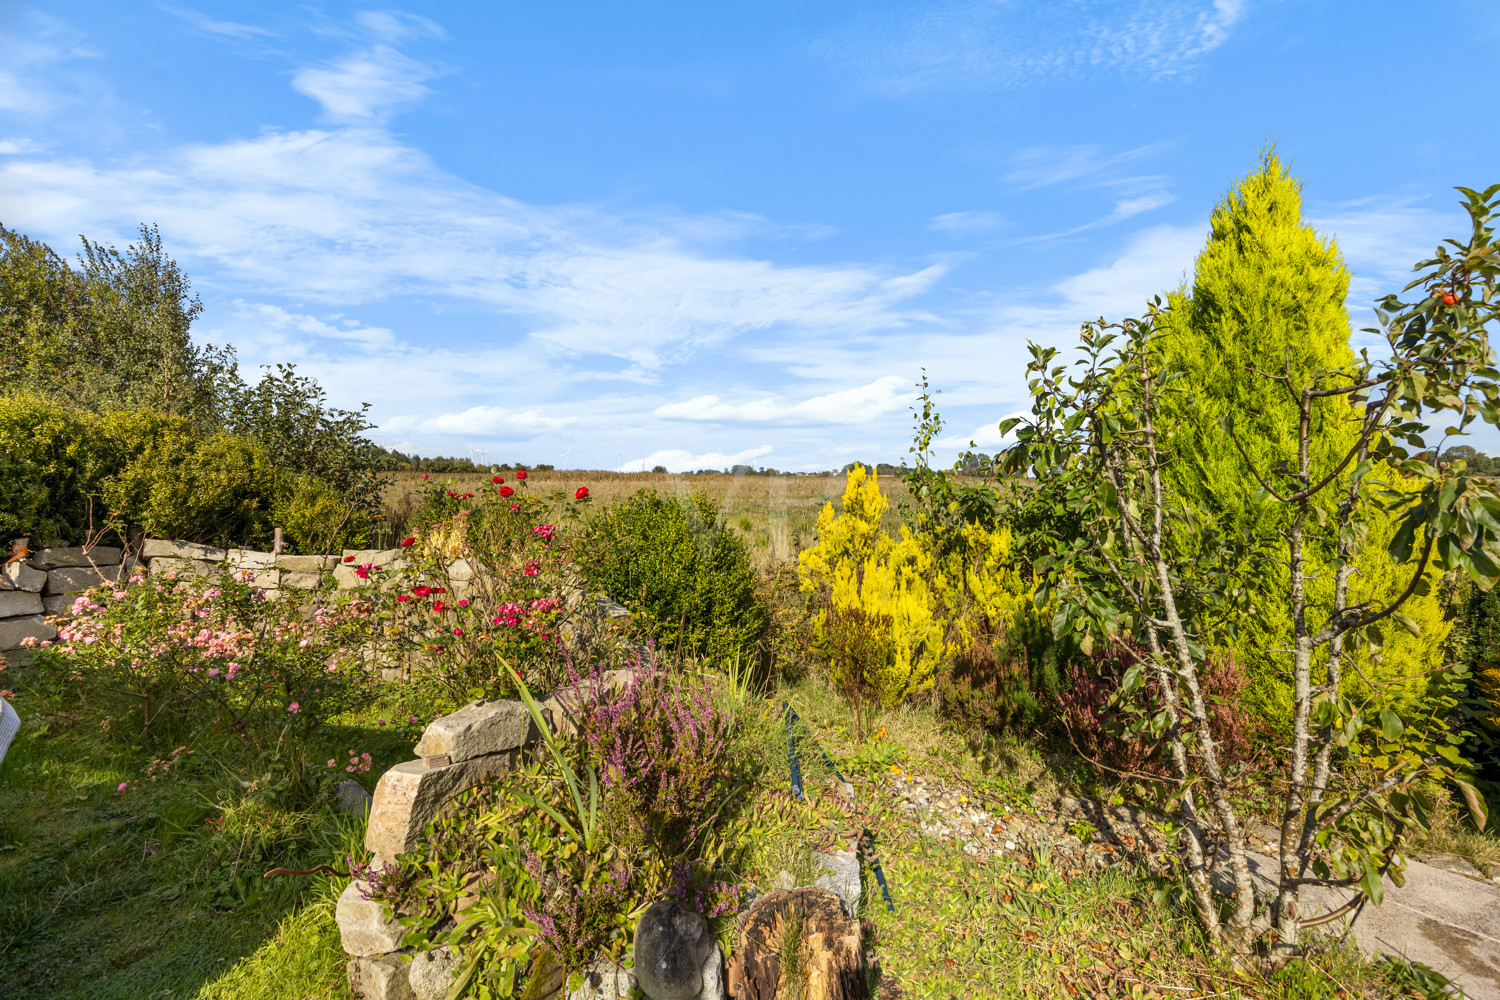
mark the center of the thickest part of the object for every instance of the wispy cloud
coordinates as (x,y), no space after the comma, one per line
(855,405)
(964,224)
(18,147)
(365,86)
(992,44)
(1041,166)
(214,26)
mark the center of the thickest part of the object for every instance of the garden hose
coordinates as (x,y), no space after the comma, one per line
(866,841)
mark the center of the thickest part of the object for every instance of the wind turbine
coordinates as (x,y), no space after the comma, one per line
(564,456)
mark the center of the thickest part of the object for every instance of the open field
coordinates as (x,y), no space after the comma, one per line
(777,514)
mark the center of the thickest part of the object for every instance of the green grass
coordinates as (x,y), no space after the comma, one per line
(157,892)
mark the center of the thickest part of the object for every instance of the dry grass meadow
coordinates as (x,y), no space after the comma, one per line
(776,514)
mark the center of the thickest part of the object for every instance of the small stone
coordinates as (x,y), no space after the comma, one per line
(672,945)
(353,799)
(300,580)
(380,977)
(604,980)
(24,577)
(460,571)
(363,929)
(58,605)
(486,726)
(432,972)
(14,603)
(843,878)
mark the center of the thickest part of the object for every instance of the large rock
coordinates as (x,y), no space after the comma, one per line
(375,557)
(24,577)
(305,564)
(604,980)
(250,559)
(61,558)
(76,578)
(842,878)
(411,795)
(461,571)
(19,602)
(672,943)
(363,929)
(184,567)
(560,708)
(380,977)
(431,973)
(300,580)
(182,550)
(486,726)
(14,630)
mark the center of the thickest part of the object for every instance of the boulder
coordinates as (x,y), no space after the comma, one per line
(76,578)
(13,630)
(184,567)
(305,564)
(486,726)
(14,603)
(411,795)
(363,929)
(461,571)
(353,799)
(380,977)
(604,980)
(431,973)
(182,550)
(23,577)
(300,580)
(672,943)
(61,558)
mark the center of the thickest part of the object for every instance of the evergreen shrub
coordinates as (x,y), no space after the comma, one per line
(684,575)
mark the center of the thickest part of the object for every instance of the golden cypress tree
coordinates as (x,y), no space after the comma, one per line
(1268,299)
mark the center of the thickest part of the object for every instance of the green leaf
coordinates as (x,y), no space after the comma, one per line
(1390,724)
(1475,801)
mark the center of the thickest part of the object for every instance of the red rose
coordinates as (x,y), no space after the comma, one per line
(440,606)
(498,479)
(348,559)
(581,493)
(407,542)
(520,473)
(402,599)
(422,591)
(506,491)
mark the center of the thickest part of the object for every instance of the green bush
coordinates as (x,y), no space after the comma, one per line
(56,459)
(684,575)
(314,519)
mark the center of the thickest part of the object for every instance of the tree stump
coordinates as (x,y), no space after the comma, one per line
(798,945)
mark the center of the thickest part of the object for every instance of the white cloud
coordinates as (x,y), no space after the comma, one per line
(485,421)
(395,26)
(959,224)
(680,460)
(986,437)
(271,318)
(214,26)
(365,86)
(980,45)
(856,405)
(17,147)
(1040,166)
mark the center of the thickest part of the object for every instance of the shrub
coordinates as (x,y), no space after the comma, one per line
(685,577)
(57,460)
(166,660)
(314,519)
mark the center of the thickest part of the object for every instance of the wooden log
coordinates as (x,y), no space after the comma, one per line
(798,945)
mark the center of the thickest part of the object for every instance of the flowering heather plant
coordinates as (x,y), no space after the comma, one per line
(661,748)
(574,922)
(175,657)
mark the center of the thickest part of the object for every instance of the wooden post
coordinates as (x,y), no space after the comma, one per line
(276,543)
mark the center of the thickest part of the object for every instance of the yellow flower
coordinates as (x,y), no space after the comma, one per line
(963,798)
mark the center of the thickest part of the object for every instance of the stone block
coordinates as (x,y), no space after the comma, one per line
(300,580)
(58,604)
(305,564)
(13,630)
(460,570)
(842,878)
(14,603)
(75,578)
(347,577)
(24,577)
(431,973)
(411,795)
(363,929)
(250,559)
(182,550)
(486,726)
(380,977)
(61,558)
(376,557)
(184,567)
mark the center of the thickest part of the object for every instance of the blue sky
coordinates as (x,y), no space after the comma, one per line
(698,234)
